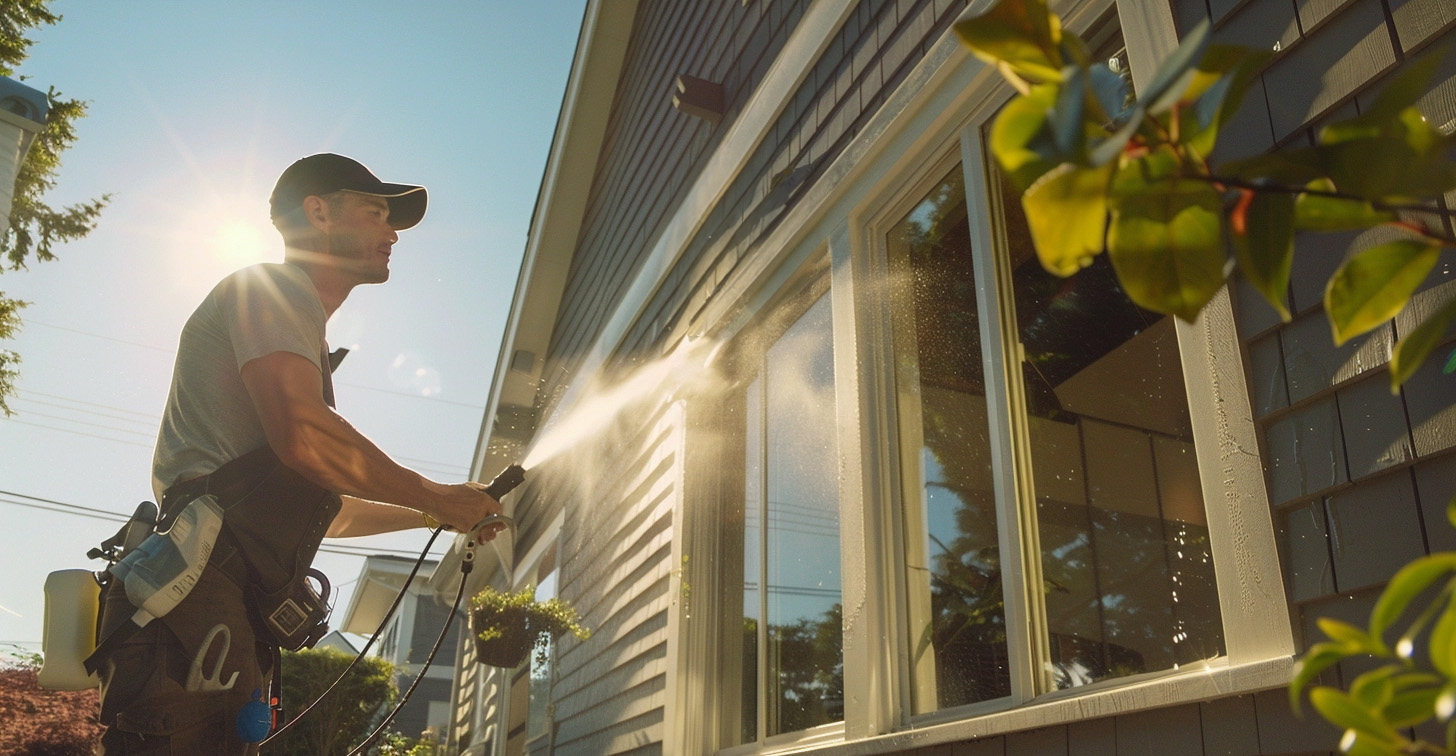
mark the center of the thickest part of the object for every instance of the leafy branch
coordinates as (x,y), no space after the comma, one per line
(1102,171)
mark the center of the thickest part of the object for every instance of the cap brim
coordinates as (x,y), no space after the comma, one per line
(407,204)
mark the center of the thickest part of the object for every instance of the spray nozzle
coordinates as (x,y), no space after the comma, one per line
(506,481)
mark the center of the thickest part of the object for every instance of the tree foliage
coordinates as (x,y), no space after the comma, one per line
(1102,171)
(347,716)
(35,226)
(36,722)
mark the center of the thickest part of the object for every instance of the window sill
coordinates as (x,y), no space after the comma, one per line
(1216,680)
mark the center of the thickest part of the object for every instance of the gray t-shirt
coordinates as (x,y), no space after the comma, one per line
(209,419)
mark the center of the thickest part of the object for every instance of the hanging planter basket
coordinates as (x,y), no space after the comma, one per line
(507,626)
(513,643)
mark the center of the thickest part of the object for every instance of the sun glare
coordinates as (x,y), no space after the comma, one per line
(238,243)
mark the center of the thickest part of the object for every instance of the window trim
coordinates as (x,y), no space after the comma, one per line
(939,109)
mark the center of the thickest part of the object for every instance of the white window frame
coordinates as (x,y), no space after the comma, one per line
(936,112)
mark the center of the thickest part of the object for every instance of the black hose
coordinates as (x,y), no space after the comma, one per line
(382,623)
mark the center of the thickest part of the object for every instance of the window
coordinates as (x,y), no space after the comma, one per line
(789,658)
(975,487)
(538,714)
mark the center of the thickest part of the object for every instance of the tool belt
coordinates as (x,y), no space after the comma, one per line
(275,519)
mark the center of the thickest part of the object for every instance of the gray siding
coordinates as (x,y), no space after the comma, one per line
(651,151)
(875,49)
(609,691)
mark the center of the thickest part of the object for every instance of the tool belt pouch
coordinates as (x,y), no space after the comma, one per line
(276,519)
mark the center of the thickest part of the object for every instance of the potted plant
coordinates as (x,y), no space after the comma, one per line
(508,625)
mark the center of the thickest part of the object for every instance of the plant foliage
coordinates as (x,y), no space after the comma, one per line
(347,716)
(1100,172)
(35,226)
(39,722)
(547,619)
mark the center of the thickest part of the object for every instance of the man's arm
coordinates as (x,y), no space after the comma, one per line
(308,436)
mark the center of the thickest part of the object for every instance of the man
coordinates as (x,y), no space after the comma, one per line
(249,419)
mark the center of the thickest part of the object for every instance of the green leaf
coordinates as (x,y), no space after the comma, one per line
(1021,137)
(1067,213)
(1265,249)
(1177,72)
(1023,34)
(1443,640)
(1320,212)
(1067,118)
(1407,583)
(1451,511)
(1223,77)
(1319,657)
(1374,689)
(1356,743)
(1410,83)
(1110,91)
(1290,167)
(1166,237)
(1371,287)
(1344,712)
(1347,635)
(1414,347)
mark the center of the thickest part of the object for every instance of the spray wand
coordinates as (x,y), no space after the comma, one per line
(504,483)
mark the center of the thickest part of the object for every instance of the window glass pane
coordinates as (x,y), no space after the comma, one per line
(1124,540)
(537,714)
(958,627)
(801,528)
(752,557)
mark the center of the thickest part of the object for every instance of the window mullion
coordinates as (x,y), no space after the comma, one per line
(1026,635)
(763,577)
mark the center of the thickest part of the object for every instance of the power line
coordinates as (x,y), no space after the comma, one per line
(146,415)
(65,419)
(60,507)
(29,321)
(79,433)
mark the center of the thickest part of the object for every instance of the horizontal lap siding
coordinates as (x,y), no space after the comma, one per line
(876,48)
(608,691)
(652,152)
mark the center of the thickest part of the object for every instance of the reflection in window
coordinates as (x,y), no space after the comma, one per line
(538,715)
(791,648)
(1124,540)
(958,619)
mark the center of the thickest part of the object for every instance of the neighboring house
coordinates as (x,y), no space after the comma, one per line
(22,115)
(408,637)
(926,499)
(336,640)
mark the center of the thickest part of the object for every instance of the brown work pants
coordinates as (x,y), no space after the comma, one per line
(146,703)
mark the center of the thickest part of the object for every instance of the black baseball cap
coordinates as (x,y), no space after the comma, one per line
(317,175)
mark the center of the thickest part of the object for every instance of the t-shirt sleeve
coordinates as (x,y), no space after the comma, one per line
(268,310)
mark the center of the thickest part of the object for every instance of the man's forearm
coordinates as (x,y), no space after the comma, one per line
(358,517)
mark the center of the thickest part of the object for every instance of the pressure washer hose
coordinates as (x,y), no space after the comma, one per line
(467,563)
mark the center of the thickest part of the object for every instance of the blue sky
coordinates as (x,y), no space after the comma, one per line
(195,108)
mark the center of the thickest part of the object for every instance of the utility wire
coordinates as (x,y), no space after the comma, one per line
(79,433)
(61,507)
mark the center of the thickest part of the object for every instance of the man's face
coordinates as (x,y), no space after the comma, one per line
(359,238)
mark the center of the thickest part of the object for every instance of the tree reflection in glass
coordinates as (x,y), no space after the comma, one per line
(957,617)
(793,668)
(1124,537)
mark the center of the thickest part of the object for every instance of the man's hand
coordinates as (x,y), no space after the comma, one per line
(464,505)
